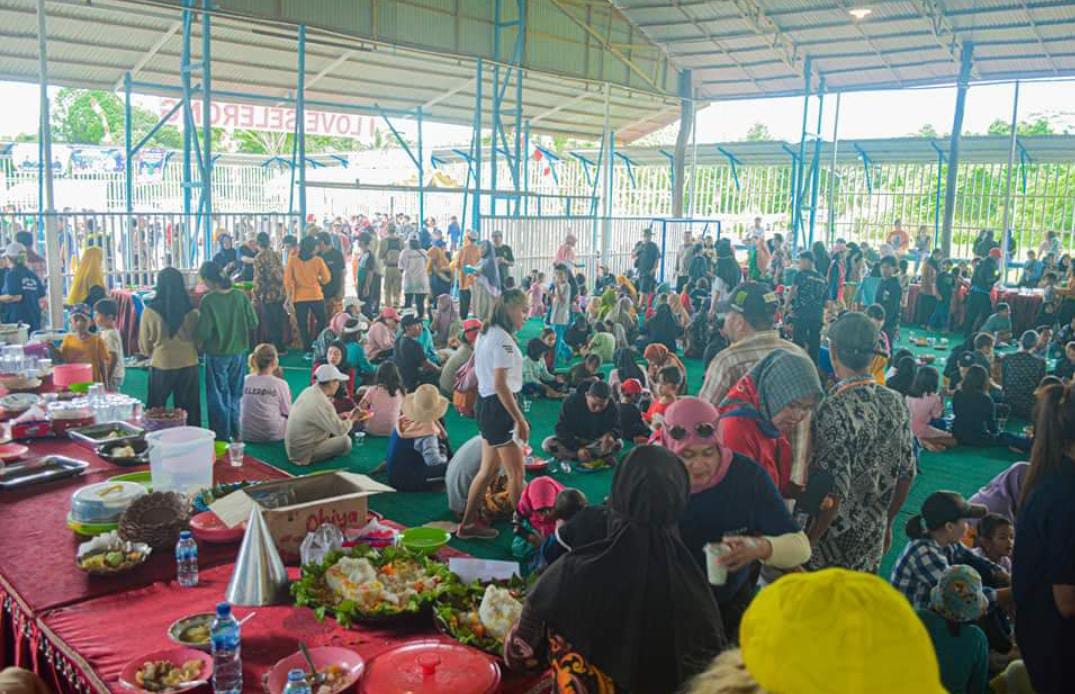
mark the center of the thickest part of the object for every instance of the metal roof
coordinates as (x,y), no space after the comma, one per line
(900,150)
(92,45)
(754,48)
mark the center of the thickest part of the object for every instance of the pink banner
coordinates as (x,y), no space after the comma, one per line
(277,119)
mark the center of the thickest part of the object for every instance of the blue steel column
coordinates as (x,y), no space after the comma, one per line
(128,172)
(966,60)
(477,139)
(188,120)
(796,194)
(300,126)
(207,130)
(421,172)
(520,44)
(525,164)
(815,170)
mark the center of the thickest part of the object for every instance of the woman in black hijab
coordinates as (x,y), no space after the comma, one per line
(663,328)
(728,271)
(631,612)
(166,334)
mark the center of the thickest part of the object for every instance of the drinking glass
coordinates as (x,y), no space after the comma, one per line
(235,453)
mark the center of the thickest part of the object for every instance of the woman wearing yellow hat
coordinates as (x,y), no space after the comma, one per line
(418,453)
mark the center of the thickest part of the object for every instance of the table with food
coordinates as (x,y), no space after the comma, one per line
(141,555)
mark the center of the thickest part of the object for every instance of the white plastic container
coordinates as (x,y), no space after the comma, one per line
(181,459)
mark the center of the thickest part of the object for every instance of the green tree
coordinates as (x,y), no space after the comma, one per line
(95,117)
(759,132)
(926,130)
(1038,126)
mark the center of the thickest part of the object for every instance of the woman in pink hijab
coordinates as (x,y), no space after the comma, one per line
(565,254)
(733,503)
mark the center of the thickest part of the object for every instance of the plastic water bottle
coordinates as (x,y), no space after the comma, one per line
(296,683)
(227,661)
(186,560)
(565,465)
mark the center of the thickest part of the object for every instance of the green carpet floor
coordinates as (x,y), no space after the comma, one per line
(962,469)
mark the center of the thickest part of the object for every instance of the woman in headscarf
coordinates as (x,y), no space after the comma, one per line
(487,285)
(766,405)
(628,286)
(413,263)
(728,274)
(88,286)
(625,366)
(623,317)
(166,334)
(227,256)
(629,612)
(565,254)
(445,321)
(657,357)
(663,329)
(604,279)
(733,502)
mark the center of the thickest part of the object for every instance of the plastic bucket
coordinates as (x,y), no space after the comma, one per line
(181,459)
(64,375)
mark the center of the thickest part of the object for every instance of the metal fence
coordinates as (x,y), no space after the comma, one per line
(137,246)
(864,207)
(534,240)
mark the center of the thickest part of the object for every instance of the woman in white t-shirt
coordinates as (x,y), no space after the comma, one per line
(266,400)
(498,365)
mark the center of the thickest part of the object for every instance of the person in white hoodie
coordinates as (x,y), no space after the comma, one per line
(314,431)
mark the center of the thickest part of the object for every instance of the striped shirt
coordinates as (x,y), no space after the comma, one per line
(731,364)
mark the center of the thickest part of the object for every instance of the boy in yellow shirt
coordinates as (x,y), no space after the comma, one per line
(85,347)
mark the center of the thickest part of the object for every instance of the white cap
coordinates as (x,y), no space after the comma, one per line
(14,250)
(328,372)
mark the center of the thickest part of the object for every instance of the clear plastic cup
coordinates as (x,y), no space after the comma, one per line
(716,572)
(235,453)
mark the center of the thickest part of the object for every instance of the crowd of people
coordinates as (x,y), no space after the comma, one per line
(753,508)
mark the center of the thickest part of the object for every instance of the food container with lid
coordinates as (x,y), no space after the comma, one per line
(428,666)
(104,502)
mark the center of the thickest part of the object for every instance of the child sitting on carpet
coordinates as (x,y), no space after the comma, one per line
(381,402)
(999,325)
(955,604)
(548,336)
(994,540)
(336,354)
(926,406)
(544,506)
(668,380)
(585,371)
(538,381)
(631,422)
(975,422)
(83,347)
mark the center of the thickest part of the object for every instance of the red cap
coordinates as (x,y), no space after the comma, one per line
(632,386)
(471,326)
(995,252)
(389,312)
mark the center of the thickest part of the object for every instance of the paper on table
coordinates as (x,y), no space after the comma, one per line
(469,569)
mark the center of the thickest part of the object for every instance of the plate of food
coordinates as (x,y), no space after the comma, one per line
(207,527)
(125,453)
(12,451)
(340,669)
(593,465)
(20,402)
(205,497)
(537,466)
(480,614)
(172,670)
(107,554)
(362,584)
(192,631)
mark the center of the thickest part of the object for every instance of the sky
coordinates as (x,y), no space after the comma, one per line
(862,114)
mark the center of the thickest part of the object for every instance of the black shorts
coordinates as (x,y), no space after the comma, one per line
(494,422)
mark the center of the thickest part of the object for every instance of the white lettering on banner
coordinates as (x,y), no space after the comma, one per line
(277,119)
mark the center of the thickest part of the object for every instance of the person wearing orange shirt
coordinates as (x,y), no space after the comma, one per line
(899,239)
(469,254)
(84,347)
(305,274)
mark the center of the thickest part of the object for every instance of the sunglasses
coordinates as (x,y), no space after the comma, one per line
(704,430)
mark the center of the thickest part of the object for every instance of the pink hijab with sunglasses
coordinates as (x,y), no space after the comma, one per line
(540,494)
(693,422)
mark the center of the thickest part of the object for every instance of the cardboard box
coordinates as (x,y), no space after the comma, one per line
(297,506)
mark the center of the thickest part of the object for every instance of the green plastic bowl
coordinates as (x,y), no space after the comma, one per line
(221,448)
(424,540)
(143,478)
(83,387)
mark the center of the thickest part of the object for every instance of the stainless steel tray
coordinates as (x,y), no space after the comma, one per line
(94,435)
(40,470)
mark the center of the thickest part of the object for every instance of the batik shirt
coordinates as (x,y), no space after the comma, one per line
(268,278)
(862,436)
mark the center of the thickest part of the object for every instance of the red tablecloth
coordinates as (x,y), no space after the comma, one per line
(87,645)
(37,566)
(1025,308)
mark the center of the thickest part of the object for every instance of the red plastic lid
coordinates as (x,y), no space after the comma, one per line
(431,667)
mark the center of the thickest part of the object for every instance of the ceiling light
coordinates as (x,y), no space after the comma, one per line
(860,12)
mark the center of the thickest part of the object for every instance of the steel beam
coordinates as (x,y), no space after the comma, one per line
(300,123)
(448,94)
(966,61)
(207,127)
(51,224)
(943,30)
(833,176)
(1008,185)
(149,55)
